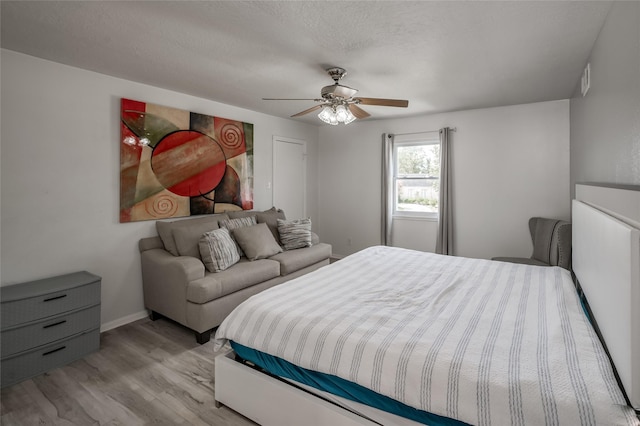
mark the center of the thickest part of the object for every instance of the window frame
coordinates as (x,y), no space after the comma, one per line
(413,215)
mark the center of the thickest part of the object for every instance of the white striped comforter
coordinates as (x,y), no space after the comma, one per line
(488,343)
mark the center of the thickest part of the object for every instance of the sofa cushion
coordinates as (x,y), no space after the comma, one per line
(294,260)
(205,223)
(270,217)
(218,250)
(187,238)
(236,223)
(295,234)
(257,241)
(237,214)
(241,275)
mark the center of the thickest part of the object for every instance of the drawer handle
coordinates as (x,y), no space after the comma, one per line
(54,324)
(55,298)
(53,351)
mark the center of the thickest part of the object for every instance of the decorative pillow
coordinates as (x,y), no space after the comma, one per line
(257,241)
(240,222)
(187,238)
(295,234)
(218,250)
(165,229)
(270,217)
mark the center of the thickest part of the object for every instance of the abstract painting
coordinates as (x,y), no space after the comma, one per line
(177,163)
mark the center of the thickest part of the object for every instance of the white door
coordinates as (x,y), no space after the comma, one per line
(290,176)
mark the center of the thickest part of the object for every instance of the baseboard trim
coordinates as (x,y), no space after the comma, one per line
(123,321)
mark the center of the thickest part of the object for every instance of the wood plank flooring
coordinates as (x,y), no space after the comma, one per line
(146,372)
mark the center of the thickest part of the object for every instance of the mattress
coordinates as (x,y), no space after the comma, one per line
(474,340)
(338,387)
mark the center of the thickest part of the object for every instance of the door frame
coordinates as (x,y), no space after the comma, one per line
(303,143)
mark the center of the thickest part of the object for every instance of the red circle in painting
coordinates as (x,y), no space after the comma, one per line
(188,163)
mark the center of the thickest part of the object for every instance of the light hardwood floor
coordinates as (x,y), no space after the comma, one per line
(146,372)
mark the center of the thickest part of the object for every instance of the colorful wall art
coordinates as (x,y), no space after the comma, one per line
(178,163)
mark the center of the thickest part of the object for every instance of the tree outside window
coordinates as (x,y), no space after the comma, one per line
(417,178)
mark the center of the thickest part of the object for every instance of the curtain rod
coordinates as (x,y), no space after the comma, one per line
(453,129)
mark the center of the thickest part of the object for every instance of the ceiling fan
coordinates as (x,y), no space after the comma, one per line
(338,102)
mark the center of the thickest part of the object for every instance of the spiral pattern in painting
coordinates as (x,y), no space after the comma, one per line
(161,206)
(231,136)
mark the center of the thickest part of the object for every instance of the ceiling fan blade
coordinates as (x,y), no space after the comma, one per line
(384,102)
(307,111)
(290,99)
(358,112)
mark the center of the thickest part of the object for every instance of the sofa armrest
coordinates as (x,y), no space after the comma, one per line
(165,279)
(150,243)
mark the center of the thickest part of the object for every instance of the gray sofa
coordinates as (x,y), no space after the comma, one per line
(177,285)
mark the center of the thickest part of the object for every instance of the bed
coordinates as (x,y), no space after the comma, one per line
(394,336)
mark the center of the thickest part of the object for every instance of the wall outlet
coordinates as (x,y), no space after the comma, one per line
(349,241)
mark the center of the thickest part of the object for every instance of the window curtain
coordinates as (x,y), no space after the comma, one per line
(387,188)
(444,240)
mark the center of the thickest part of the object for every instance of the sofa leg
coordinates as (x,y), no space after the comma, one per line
(203,338)
(154,316)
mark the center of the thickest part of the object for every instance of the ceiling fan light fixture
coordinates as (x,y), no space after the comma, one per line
(338,102)
(336,114)
(325,115)
(341,113)
(350,117)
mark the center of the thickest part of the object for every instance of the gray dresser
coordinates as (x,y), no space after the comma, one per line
(48,323)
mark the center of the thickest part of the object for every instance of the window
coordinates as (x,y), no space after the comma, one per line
(416,168)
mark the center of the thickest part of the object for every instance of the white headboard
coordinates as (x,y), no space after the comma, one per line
(606,261)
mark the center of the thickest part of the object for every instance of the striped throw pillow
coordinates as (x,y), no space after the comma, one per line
(295,234)
(218,250)
(232,224)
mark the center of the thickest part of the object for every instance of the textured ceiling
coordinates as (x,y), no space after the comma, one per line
(440,55)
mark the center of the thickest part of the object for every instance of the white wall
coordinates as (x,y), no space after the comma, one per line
(605,124)
(509,164)
(60,175)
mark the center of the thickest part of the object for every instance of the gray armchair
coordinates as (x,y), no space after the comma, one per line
(551,244)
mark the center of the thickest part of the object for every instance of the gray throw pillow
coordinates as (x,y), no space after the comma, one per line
(270,217)
(295,234)
(218,250)
(257,241)
(165,229)
(187,238)
(239,222)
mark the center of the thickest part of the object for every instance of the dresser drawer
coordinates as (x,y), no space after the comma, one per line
(34,334)
(45,305)
(31,363)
